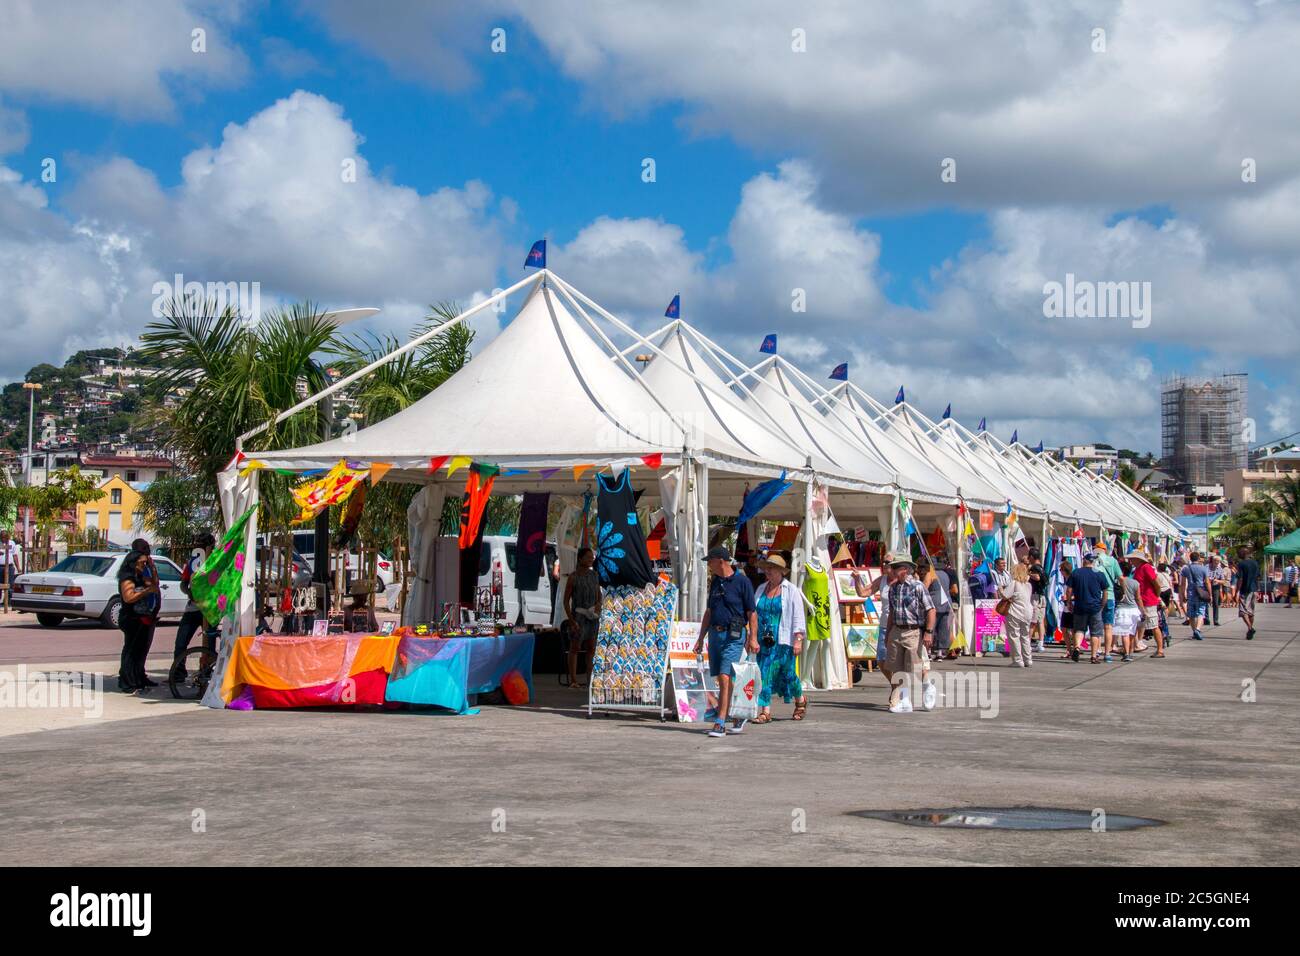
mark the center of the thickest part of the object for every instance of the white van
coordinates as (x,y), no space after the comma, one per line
(499,555)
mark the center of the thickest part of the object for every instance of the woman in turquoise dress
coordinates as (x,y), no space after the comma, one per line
(781,630)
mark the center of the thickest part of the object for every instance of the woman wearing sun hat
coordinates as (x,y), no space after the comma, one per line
(781,630)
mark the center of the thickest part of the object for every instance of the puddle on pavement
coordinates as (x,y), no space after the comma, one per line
(1005,818)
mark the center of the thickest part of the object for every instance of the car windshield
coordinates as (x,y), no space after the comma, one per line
(84,564)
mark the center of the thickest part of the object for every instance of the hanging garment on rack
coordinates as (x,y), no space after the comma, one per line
(530,545)
(816,588)
(621,555)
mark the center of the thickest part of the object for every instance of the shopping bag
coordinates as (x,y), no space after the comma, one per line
(958,642)
(746,685)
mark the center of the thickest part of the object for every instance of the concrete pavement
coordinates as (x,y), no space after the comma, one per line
(1171,739)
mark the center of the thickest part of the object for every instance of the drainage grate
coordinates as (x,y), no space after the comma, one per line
(1005,818)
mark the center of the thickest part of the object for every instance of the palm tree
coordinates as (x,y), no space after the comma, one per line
(405,380)
(1284,496)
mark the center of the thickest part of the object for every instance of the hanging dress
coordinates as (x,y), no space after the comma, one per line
(621,555)
(816,587)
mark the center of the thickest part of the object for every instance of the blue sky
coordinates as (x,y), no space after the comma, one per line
(775,170)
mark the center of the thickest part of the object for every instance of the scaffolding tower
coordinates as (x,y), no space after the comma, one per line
(1202,434)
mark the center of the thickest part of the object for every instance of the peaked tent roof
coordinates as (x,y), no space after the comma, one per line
(590,409)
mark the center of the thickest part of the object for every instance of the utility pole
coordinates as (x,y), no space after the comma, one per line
(32,388)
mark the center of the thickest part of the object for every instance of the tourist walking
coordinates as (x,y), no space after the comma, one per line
(1218,576)
(1020,610)
(1149,599)
(909,620)
(730,623)
(1128,613)
(1247,585)
(781,632)
(1195,593)
(1086,590)
(1109,569)
(1038,589)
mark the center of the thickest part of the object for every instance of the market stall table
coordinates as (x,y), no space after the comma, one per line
(445,672)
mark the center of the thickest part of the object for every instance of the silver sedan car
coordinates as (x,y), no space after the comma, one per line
(85,585)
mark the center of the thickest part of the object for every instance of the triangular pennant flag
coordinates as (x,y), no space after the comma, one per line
(769,344)
(1039,449)
(674,310)
(653,461)
(437,461)
(514,471)
(947,412)
(1015,436)
(485,470)
(547,472)
(983,426)
(253,465)
(900,397)
(377,471)
(579,470)
(840,373)
(536,255)
(457,463)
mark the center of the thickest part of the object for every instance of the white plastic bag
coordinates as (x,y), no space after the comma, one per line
(746,685)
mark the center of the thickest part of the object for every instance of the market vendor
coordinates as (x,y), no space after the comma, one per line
(731,624)
(359,616)
(582,608)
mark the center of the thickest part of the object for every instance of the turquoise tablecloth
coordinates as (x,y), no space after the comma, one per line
(443,672)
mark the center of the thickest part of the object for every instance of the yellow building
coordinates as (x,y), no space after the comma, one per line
(117,511)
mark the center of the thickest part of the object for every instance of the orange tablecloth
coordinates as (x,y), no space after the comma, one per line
(290,663)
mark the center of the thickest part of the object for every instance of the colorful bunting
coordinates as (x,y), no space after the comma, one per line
(547,472)
(252,466)
(580,470)
(457,463)
(653,461)
(437,461)
(377,471)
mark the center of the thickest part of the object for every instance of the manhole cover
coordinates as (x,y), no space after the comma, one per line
(1006,818)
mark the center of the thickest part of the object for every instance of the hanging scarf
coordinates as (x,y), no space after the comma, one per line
(313,496)
(478,488)
(760,497)
(215,589)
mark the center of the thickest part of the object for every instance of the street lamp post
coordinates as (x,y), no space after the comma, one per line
(32,388)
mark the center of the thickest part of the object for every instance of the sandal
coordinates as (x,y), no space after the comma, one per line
(800,710)
(762,719)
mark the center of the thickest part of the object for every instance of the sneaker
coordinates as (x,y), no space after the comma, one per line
(1074,655)
(1250,634)
(738,726)
(711,714)
(1197,636)
(718,730)
(1127,658)
(904,706)
(1108,659)
(929,696)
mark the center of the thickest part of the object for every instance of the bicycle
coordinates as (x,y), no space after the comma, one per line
(188,679)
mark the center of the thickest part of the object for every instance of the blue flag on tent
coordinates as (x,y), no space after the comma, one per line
(537,255)
(983,424)
(674,310)
(758,498)
(1015,436)
(899,398)
(947,412)
(1039,449)
(769,344)
(840,373)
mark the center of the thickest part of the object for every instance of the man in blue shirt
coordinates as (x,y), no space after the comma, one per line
(731,624)
(1086,589)
(1196,592)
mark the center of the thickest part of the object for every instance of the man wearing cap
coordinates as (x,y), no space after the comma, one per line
(909,616)
(731,624)
(1087,590)
(1247,584)
(1148,597)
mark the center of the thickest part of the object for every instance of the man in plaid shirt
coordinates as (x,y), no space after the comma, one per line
(907,618)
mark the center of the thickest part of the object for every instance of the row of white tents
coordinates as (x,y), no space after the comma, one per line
(567,389)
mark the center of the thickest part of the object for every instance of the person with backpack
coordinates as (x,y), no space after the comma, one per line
(1195,584)
(192,619)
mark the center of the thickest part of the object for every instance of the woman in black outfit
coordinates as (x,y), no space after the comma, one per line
(137,584)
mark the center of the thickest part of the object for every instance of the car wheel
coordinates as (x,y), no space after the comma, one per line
(112,616)
(49,620)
